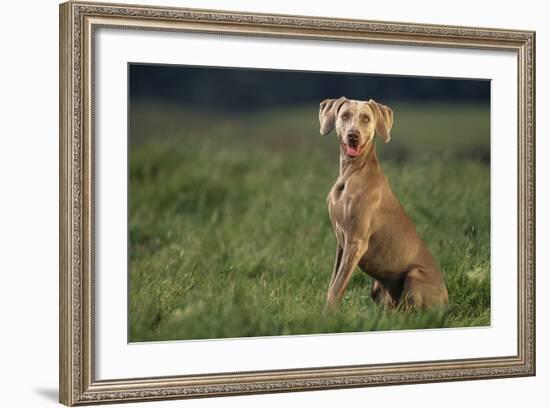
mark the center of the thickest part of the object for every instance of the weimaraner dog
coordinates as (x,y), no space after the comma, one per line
(371,226)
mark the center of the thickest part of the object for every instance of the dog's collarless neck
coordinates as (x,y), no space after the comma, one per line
(366,163)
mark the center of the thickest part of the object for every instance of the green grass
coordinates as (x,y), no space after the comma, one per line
(230,234)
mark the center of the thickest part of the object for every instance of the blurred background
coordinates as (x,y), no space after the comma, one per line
(226,100)
(229,230)
(246,89)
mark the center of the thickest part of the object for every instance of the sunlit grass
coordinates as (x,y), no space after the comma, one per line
(230,235)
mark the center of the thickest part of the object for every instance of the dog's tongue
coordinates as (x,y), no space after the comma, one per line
(352,151)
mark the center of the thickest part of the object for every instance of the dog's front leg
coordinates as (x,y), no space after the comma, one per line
(337,261)
(351,255)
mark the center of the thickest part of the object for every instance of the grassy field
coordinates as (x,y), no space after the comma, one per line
(230,234)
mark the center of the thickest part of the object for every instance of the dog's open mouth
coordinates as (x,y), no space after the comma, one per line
(353,151)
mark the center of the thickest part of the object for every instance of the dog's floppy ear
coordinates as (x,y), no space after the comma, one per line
(384,120)
(328,109)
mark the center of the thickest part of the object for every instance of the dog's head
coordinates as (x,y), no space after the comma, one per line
(356,123)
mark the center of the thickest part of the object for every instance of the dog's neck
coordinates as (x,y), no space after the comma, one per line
(366,163)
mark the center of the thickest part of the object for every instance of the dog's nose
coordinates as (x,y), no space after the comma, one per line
(353,136)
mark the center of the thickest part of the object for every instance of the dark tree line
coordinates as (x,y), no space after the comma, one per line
(237,89)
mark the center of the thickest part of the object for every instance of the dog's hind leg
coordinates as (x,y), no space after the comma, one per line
(379,294)
(420,293)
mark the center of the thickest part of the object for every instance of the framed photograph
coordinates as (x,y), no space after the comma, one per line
(255,203)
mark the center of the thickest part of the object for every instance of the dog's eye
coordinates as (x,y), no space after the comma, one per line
(345,116)
(365,118)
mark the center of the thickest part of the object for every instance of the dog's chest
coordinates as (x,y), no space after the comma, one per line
(337,190)
(342,200)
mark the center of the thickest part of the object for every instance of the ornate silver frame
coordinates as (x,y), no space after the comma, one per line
(78,22)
